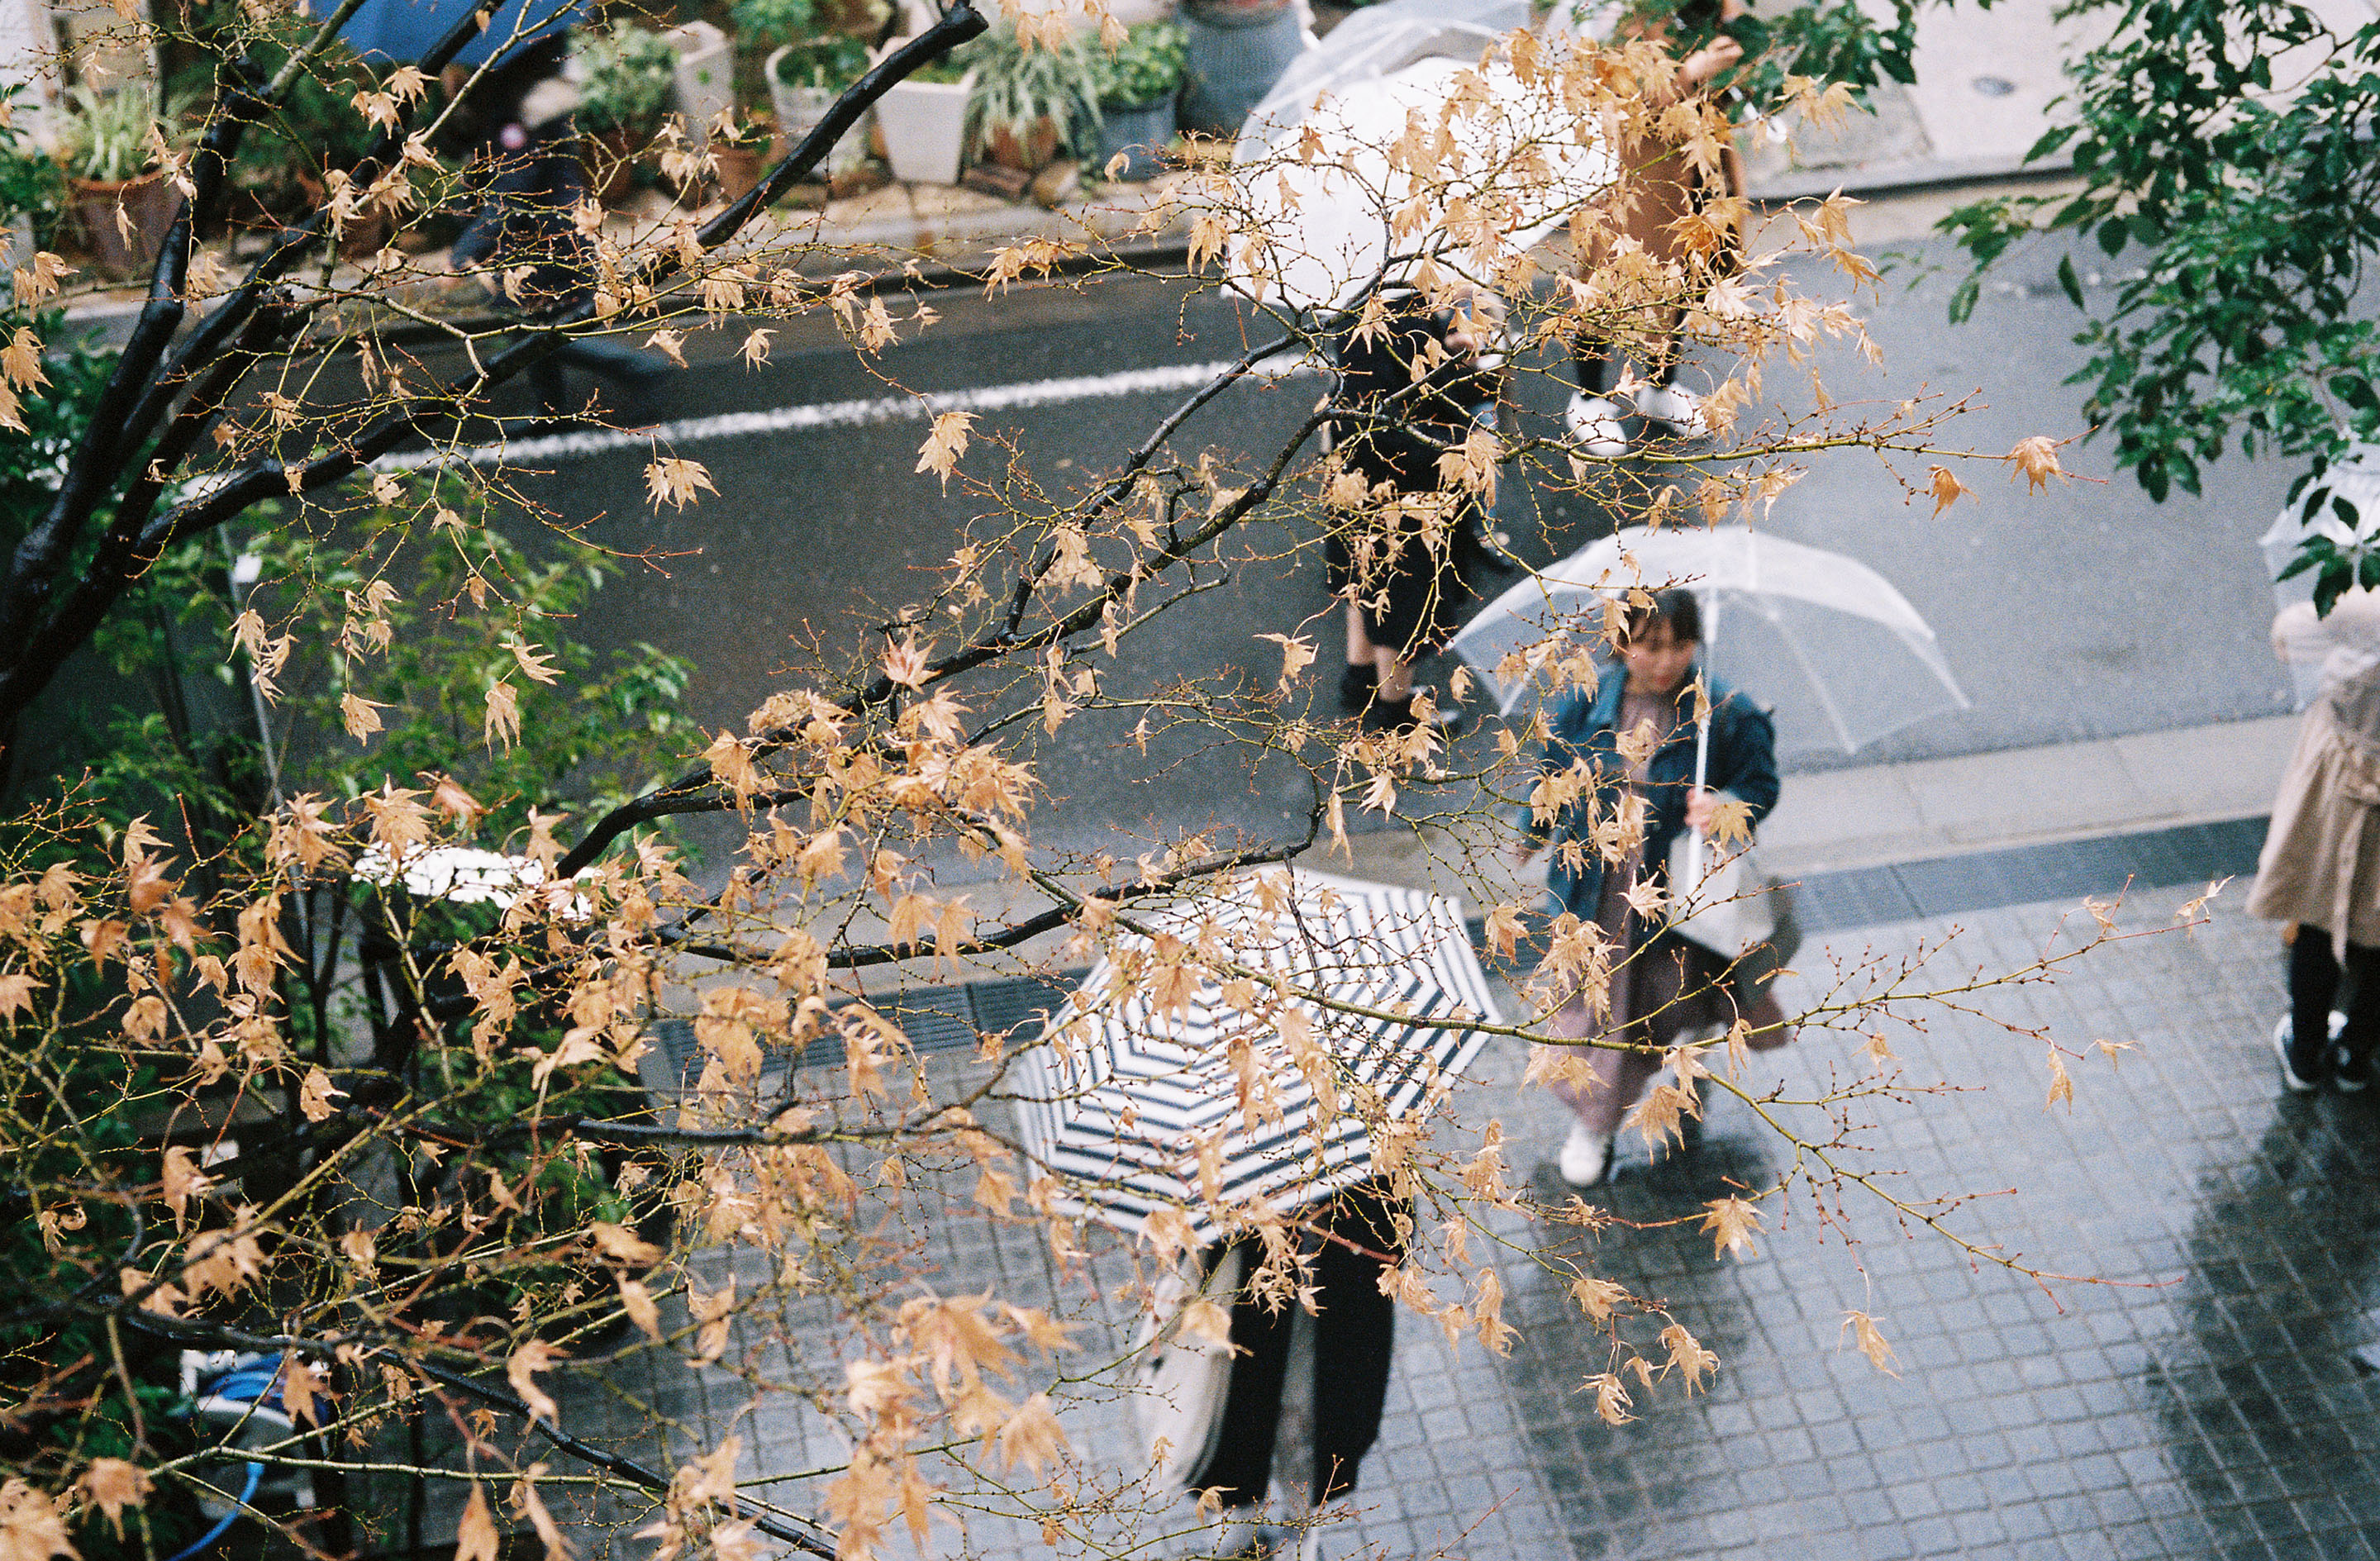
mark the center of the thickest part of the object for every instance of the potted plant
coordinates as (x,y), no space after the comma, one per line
(923,118)
(1137,85)
(1031,106)
(630,76)
(1238,50)
(31,190)
(738,152)
(808,67)
(114,184)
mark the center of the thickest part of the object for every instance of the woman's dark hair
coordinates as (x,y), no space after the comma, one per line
(1677,607)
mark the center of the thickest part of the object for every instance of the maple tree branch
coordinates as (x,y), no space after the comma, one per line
(132,548)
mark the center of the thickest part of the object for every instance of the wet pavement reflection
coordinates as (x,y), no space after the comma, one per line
(2207,1398)
(2198,1392)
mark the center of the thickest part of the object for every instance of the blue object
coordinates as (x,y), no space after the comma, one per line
(247,1394)
(1586,726)
(390,32)
(223,1524)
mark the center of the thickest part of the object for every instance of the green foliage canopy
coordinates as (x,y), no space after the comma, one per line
(2237,211)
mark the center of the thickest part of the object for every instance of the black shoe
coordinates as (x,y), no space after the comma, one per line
(2349,1075)
(1356,686)
(2301,1074)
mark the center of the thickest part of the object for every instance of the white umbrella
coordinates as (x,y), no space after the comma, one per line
(1519,163)
(2341,502)
(1824,638)
(464,875)
(1123,1088)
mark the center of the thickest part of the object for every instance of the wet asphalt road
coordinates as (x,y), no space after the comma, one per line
(2084,612)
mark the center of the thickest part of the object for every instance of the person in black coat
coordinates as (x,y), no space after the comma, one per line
(518,136)
(1354,1238)
(1410,390)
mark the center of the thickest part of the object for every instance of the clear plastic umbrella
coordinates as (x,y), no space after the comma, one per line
(2343,504)
(1386,74)
(1376,42)
(1827,642)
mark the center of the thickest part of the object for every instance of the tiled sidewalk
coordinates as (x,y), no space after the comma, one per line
(2207,1399)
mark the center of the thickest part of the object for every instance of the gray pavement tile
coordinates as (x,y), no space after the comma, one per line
(2212,1410)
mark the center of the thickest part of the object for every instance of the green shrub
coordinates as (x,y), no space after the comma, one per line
(1015,86)
(1147,69)
(831,63)
(631,72)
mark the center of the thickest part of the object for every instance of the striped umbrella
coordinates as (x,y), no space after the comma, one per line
(1134,1092)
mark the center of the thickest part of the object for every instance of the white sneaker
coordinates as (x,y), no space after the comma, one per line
(1585,1156)
(1594,427)
(1679,411)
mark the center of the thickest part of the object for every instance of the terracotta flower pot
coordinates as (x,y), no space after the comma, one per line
(367,232)
(738,170)
(1028,152)
(609,157)
(148,204)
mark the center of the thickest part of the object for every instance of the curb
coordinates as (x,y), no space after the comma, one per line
(110,319)
(1909,178)
(947,250)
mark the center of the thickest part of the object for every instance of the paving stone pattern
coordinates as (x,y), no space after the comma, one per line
(2206,1399)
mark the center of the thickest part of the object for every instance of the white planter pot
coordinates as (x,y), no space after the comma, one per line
(925,126)
(800,108)
(706,87)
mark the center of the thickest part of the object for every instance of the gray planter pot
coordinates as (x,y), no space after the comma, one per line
(1140,131)
(800,108)
(1235,57)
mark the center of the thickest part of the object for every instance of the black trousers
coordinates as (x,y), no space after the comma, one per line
(2314,976)
(1353,1338)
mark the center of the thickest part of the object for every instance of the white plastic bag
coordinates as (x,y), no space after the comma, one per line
(1183,1376)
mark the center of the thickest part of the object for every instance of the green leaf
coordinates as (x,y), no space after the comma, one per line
(2068,280)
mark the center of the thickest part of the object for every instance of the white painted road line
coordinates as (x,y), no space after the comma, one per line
(833,414)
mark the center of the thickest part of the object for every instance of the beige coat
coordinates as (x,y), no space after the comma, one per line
(2321,864)
(1667,192)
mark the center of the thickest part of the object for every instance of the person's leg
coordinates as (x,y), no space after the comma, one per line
(1677,409)
(1242,1466)
(1598,366)
(1592,417)
(1619,1081)
(2313,986)
(2351,1059)
(1362,673)
(1353,1343)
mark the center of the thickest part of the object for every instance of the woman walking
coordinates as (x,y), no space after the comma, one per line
(1679,214)
(1343,1360)
(2319,874)
(1410,390)
(1635,735)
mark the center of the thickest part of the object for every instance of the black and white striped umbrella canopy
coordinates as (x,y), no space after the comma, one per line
(1133,1093)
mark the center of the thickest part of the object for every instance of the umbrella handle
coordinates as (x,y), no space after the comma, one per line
(1702,748)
